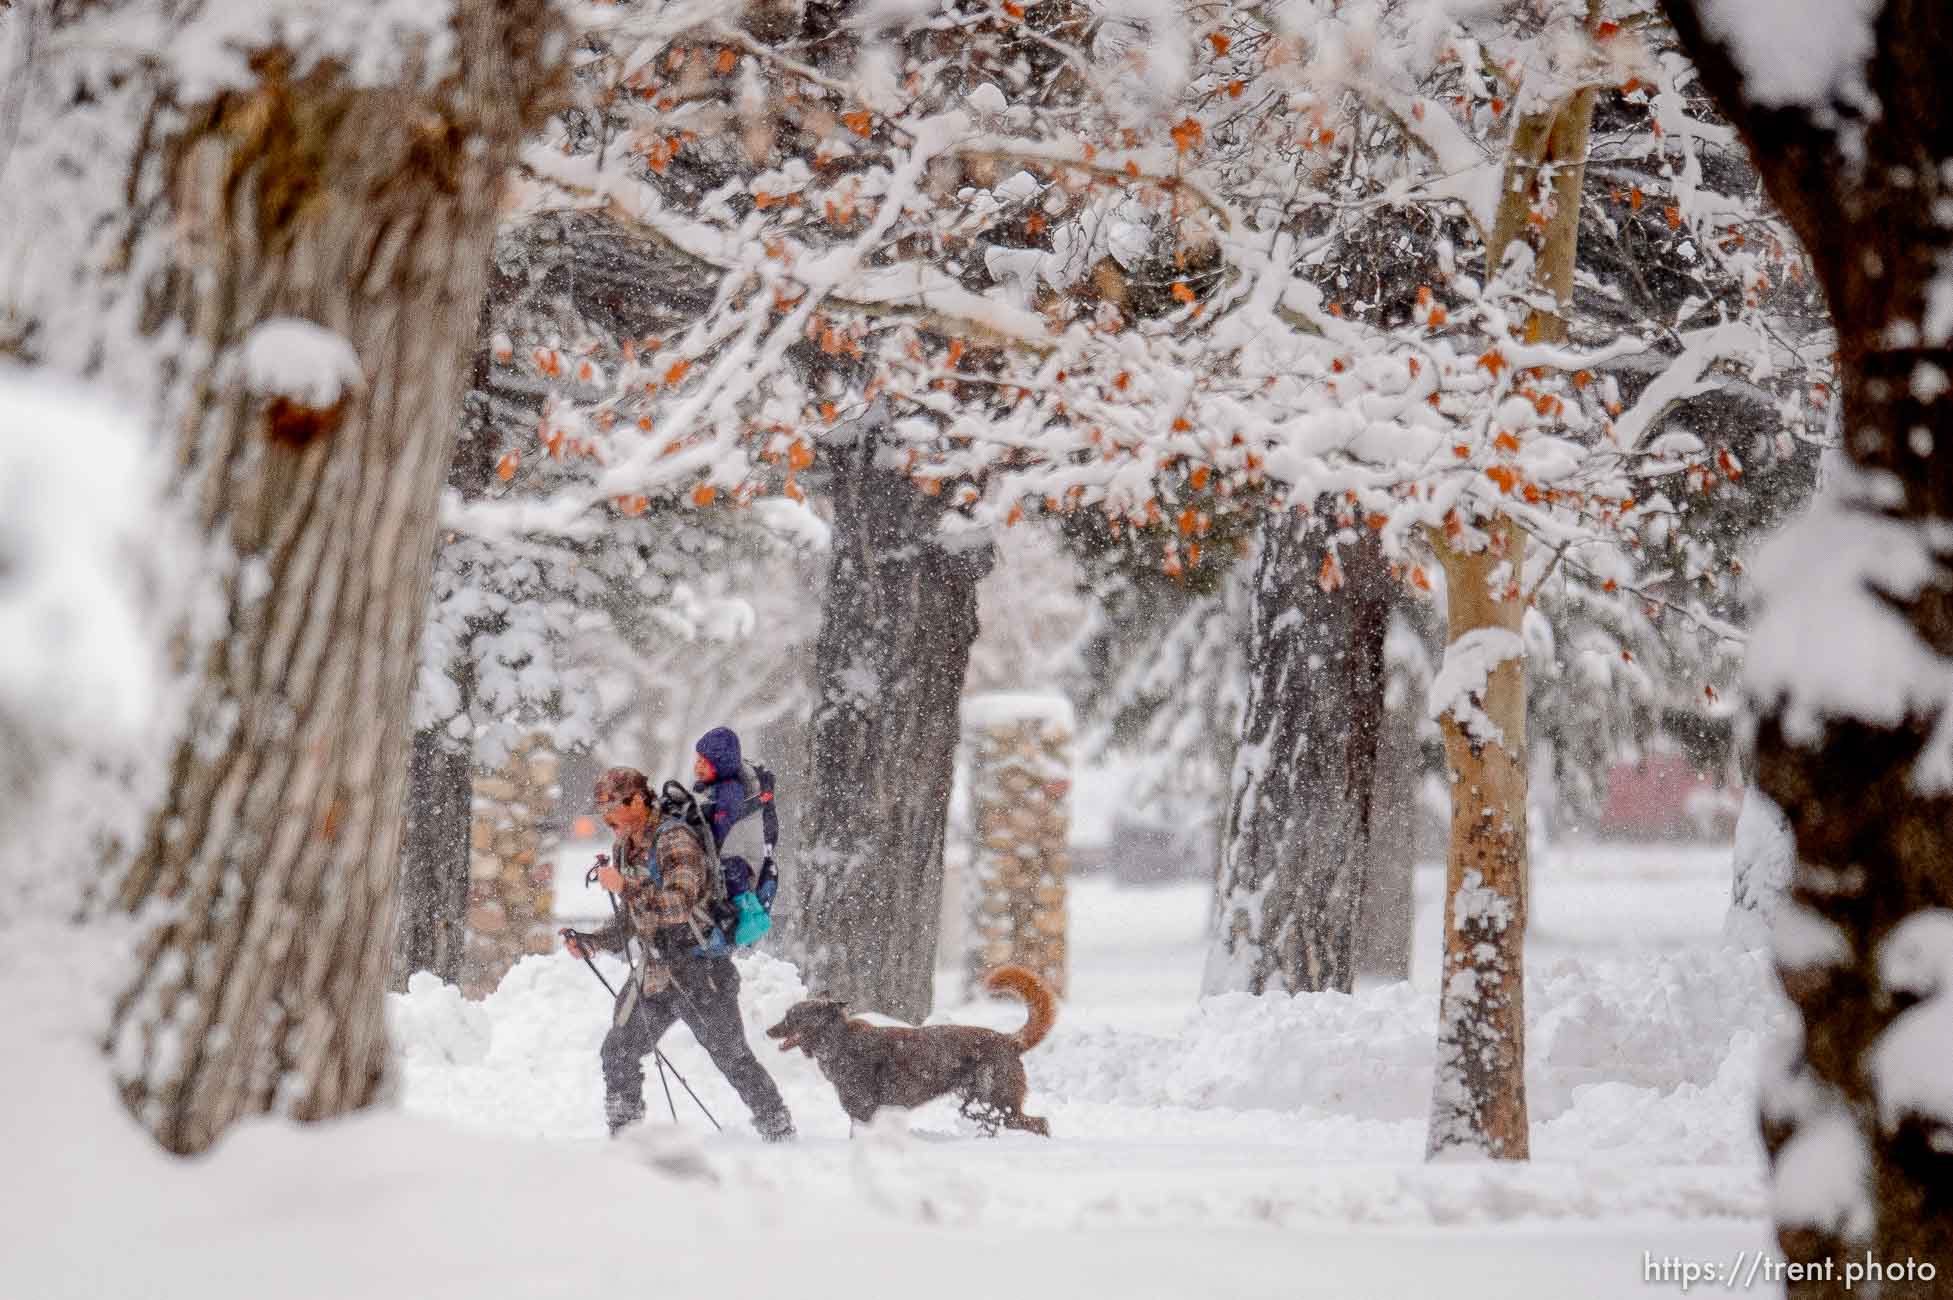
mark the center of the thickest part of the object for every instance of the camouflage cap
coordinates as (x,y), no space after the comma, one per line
(619,784)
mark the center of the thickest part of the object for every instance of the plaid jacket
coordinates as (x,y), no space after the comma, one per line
(650,909)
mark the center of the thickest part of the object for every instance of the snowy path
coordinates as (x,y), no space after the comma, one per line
(1286,1128)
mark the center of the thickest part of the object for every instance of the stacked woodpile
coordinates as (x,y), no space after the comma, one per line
(1019,748)
(511,894)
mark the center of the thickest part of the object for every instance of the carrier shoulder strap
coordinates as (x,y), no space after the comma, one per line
(768,810)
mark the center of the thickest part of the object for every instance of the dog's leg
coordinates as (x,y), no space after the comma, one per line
(1028,1123)
(1010,1101)
(981,1112)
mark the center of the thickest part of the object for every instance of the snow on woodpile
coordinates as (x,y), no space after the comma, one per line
(1005,708)
(298,360)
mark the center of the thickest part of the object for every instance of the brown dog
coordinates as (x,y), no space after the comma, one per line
(871,1067)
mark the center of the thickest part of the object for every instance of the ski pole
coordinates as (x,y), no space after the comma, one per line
(659,1058)
(664,1063)
(589,961)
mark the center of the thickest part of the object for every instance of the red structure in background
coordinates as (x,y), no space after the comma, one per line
(1664,797)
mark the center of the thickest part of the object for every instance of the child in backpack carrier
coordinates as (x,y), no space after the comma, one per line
(734,791)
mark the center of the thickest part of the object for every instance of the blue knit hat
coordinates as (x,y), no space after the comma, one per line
(721,749)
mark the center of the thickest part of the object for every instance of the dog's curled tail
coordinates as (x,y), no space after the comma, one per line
(1043,1008)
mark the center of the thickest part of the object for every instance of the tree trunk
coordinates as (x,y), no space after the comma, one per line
(266,880)
(1385,921)
(1298,844)
(431,932)
(888,676)
(434,861)
(1863,170)
(1478,1100)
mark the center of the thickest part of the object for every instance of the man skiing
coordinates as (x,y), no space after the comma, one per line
(657,870)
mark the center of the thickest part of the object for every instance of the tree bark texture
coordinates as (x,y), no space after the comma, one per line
(267,880)
(434,862)
(1478,1100)
(1865,176)
(894,646)
(1297,851)
(1387,917)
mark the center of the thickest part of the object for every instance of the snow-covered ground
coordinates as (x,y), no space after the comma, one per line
(1233,1147)
(1297,1124)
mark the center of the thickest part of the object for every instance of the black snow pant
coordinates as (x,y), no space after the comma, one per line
(704,993)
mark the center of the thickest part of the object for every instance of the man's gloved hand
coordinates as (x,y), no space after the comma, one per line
(573,943)
(611,878)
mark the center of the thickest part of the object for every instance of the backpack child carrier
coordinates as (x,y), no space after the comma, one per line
(737,909)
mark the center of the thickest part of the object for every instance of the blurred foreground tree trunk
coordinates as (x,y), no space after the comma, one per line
(305,245)
(1297,851)
(1858,152)
(896,632)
